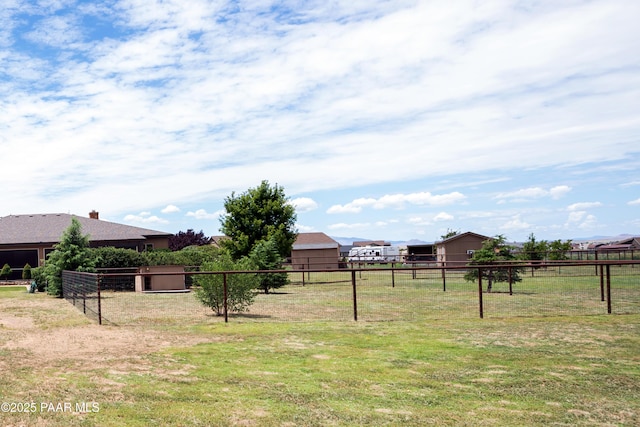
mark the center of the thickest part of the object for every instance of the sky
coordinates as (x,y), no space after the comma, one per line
(380,119)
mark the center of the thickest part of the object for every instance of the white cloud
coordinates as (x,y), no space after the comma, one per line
(170,209)
(345,226)
(203,214)
(583,205)
(398,201)
(144,218)
(634,202)
(443,216)
(515,223)
(304,204)
(533,193)
(305,228)
(576,216)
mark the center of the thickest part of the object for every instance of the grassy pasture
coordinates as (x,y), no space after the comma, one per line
(441,366)
(520,371)
(401,295)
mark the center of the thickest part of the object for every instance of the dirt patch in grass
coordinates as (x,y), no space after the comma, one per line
(28,331)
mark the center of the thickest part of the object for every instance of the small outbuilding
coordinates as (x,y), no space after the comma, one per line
(458,250)
(160,278)
(315,251)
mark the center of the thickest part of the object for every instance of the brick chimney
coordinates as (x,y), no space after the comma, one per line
(93,215)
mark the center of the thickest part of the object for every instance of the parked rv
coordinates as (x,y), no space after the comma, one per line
(371,254)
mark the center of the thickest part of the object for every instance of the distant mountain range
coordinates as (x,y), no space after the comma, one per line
(350,240)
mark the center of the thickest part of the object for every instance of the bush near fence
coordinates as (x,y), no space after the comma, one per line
(382,294)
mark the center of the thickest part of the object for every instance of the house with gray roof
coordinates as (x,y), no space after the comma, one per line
(27,239)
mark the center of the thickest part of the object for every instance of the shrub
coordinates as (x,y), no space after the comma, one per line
(26,272)
(37,275)
(241,288)
(5,272)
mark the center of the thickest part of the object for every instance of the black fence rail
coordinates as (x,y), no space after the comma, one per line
(404,292)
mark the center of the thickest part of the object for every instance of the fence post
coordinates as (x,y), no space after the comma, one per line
(608,289)
(393,277)
(225,295)
(99,279)
(601,282)
(444,280)
(480,292)
(510,282)
(355,298)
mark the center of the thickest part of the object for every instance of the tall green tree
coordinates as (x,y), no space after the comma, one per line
(72,253)
(265,257)
(260,213)
(534,250)
(558,250)
(494,252)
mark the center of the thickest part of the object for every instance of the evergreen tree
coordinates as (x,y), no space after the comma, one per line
(72,253)
(5,272)
(265,257)
(26,272)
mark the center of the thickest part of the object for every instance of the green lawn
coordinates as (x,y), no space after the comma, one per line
(403,295)
(569,370)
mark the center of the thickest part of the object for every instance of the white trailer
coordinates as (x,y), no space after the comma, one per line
(372,254)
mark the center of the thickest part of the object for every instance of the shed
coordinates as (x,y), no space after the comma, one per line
(315,251)
(160,278)
(458,250)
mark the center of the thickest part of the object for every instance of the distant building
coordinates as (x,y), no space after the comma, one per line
(315,251)
(459,249)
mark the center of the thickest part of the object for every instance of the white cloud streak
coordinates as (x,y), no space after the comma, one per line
(398,201)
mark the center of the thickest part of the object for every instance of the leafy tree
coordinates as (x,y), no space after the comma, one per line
(26,272)
(558,250)
(258,214)
(197,255)
(160,257)
(494,251)
(5,272)
(449,234)
(241,287)
(110,257)
(534,250)
(72,253)
(187,238)
(265,257)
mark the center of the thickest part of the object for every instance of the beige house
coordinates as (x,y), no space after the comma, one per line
(458,250)
(27,239)
(315,251)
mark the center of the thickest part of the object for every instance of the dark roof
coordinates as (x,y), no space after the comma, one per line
(48,228)
(314,241)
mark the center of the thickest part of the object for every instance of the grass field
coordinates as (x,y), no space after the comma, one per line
(404,295)
(450,370)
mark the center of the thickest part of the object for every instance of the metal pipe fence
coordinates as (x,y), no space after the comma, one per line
(389,293)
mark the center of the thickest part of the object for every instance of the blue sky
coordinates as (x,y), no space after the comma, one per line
(392,120)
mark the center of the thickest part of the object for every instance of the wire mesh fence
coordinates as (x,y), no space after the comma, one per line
(82,290)
(382,294)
